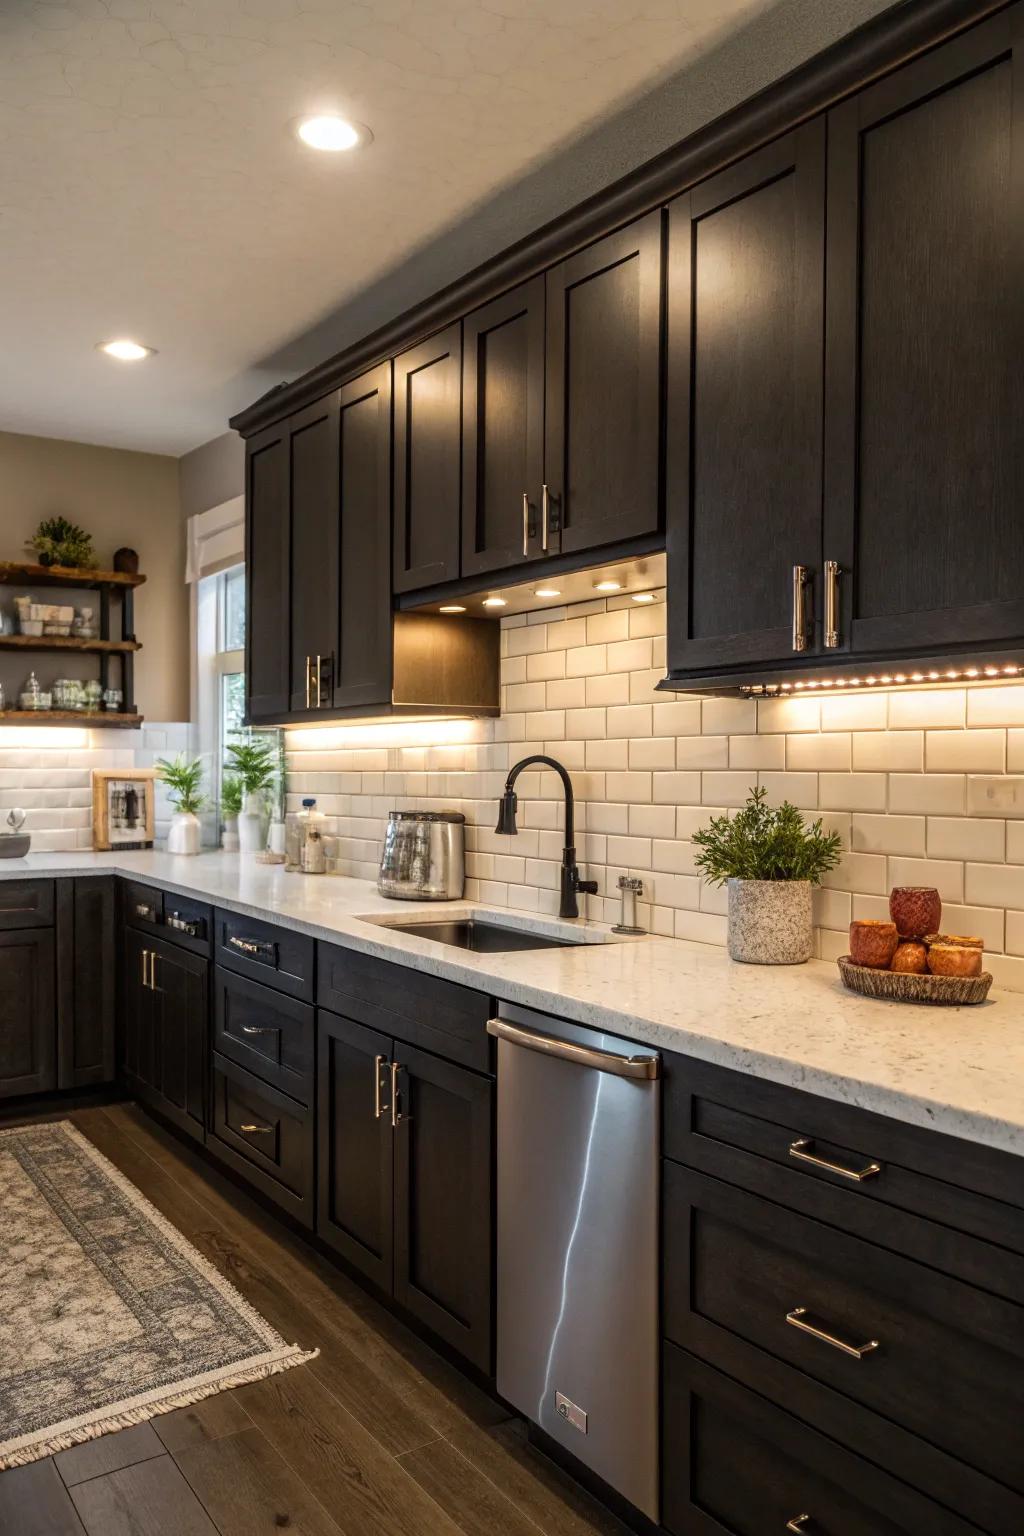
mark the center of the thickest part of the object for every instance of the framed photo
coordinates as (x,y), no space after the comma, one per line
(123,808)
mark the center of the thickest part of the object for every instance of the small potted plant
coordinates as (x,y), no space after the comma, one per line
(59,542)
(230,806)
(770,859)
(255,764)
(183,777)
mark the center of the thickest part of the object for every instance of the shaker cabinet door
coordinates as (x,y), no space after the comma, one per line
(743,440)
(602,416)
(363,664)
(267,572)
(179,997)
(503,430)
(428,471)
(313,508)
(28,1017)
(924,393)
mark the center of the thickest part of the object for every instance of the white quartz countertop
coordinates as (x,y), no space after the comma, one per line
(957,1070)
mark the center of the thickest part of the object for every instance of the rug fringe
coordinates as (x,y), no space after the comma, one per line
(132,1416)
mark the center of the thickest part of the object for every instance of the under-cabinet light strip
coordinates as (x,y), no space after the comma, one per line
(886,680)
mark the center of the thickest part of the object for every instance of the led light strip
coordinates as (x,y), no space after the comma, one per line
(885,680)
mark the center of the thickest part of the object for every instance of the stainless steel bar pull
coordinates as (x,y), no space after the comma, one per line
(645,1067)
(799,1318)
(833,571)
(379,1063)
(800,580)
(545,518)
(800,1524)
(526,524)
(259,1029)
(801,1151)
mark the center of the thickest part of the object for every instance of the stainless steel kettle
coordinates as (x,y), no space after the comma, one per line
(424,856)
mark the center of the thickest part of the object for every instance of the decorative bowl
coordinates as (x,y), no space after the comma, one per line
(908,987)
(14,845)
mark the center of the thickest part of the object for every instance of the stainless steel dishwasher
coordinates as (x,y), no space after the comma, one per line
(578,1167)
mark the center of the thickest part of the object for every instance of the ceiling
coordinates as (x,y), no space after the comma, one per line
(151,184)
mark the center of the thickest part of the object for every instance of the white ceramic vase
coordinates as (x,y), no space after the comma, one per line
(252,824)
(770,921)
(185,833)
(229,836)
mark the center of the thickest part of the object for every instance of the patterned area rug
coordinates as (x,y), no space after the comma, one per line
(107,1315)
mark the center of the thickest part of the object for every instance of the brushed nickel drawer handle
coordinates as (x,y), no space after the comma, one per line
(800,579)
(798,1318)
(833,571)
(258,1029)
(798,1523)
(545,518)
(378,1107)
(526,524)
(257,1130)
(801,1151)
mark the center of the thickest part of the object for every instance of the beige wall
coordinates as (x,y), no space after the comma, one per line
(122,498)
(212,474)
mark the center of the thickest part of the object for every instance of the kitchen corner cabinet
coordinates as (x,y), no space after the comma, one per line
(164,1002)
(428,396)
(924,399)
(405,1175)
(602,407)
(746,254)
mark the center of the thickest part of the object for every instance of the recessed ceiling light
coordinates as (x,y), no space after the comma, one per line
(548,592)
(643,597)
(608,586)
(494,602)
(332,133)
(124,350)
(451,608)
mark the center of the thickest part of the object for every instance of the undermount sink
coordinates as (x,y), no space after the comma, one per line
(481,938)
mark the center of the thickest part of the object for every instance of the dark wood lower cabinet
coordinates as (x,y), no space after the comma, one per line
(405,1182)
(265,1136)
(165,1004)
(734,1464)
(443,1199)
(86,981)
(28,1015)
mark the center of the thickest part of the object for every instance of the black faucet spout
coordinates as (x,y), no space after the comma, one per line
(570,882)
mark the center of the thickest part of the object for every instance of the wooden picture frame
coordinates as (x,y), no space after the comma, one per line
(109,828)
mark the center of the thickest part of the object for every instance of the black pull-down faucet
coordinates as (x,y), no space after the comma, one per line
(570,875)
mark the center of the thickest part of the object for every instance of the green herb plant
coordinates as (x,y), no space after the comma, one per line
(763,842)
(184,779)
(254,762)
(230,795)
(59,542)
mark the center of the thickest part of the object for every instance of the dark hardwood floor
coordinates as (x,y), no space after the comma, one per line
(376,1437)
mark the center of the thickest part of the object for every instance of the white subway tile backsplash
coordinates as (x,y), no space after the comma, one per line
(927,794)
(786,715)
(931,709)
(681,717)
(889,834)
(811,752)
(608,688)
(966,837)
(852,791)
(888,751)
(946,875)
(1003,705)
(652,751)
(975,751)
(702,751)
(753,752)
(728,717)
(994,885)
(800,789)
(855,712)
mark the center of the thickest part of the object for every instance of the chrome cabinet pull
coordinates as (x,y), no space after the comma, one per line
(801,1151)
(145,954)
(397,1117)
(379,1062)
(798,1318)
(800,579)
(152,971)
(259,1029)
(798,1523)
(833,571)
(319,699)
(307,682)
(545,518)
(257,1130)
(646,1068)
(526,524)
(262,951)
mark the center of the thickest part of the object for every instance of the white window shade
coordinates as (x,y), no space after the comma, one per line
(215,539)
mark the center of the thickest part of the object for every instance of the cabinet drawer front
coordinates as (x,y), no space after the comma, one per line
(864,1173)
(188,922)
(265,1136)
(26,904)
(734,1463)
(268,1033)
(439,1015)
(897,1337)
(275,956)
(142,905)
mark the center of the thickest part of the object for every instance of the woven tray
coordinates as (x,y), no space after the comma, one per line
(907,988)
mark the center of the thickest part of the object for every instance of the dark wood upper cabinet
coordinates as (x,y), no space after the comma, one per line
(28,1018)
(924,401)
(428,471)
(503,430)
(602,407)
(362,673)
(313,504)
(268,580)
(744,392)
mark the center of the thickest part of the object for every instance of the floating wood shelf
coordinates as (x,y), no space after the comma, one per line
(68,717)
(64,576)
(66,643)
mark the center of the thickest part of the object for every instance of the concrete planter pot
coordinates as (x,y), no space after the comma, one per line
(770,921)
(184,834)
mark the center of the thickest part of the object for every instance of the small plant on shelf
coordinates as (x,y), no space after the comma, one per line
(59,542)
(230,795)
(770,859)
(254,762)
(184,779)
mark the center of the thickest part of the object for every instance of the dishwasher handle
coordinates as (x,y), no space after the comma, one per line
(646,1068)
